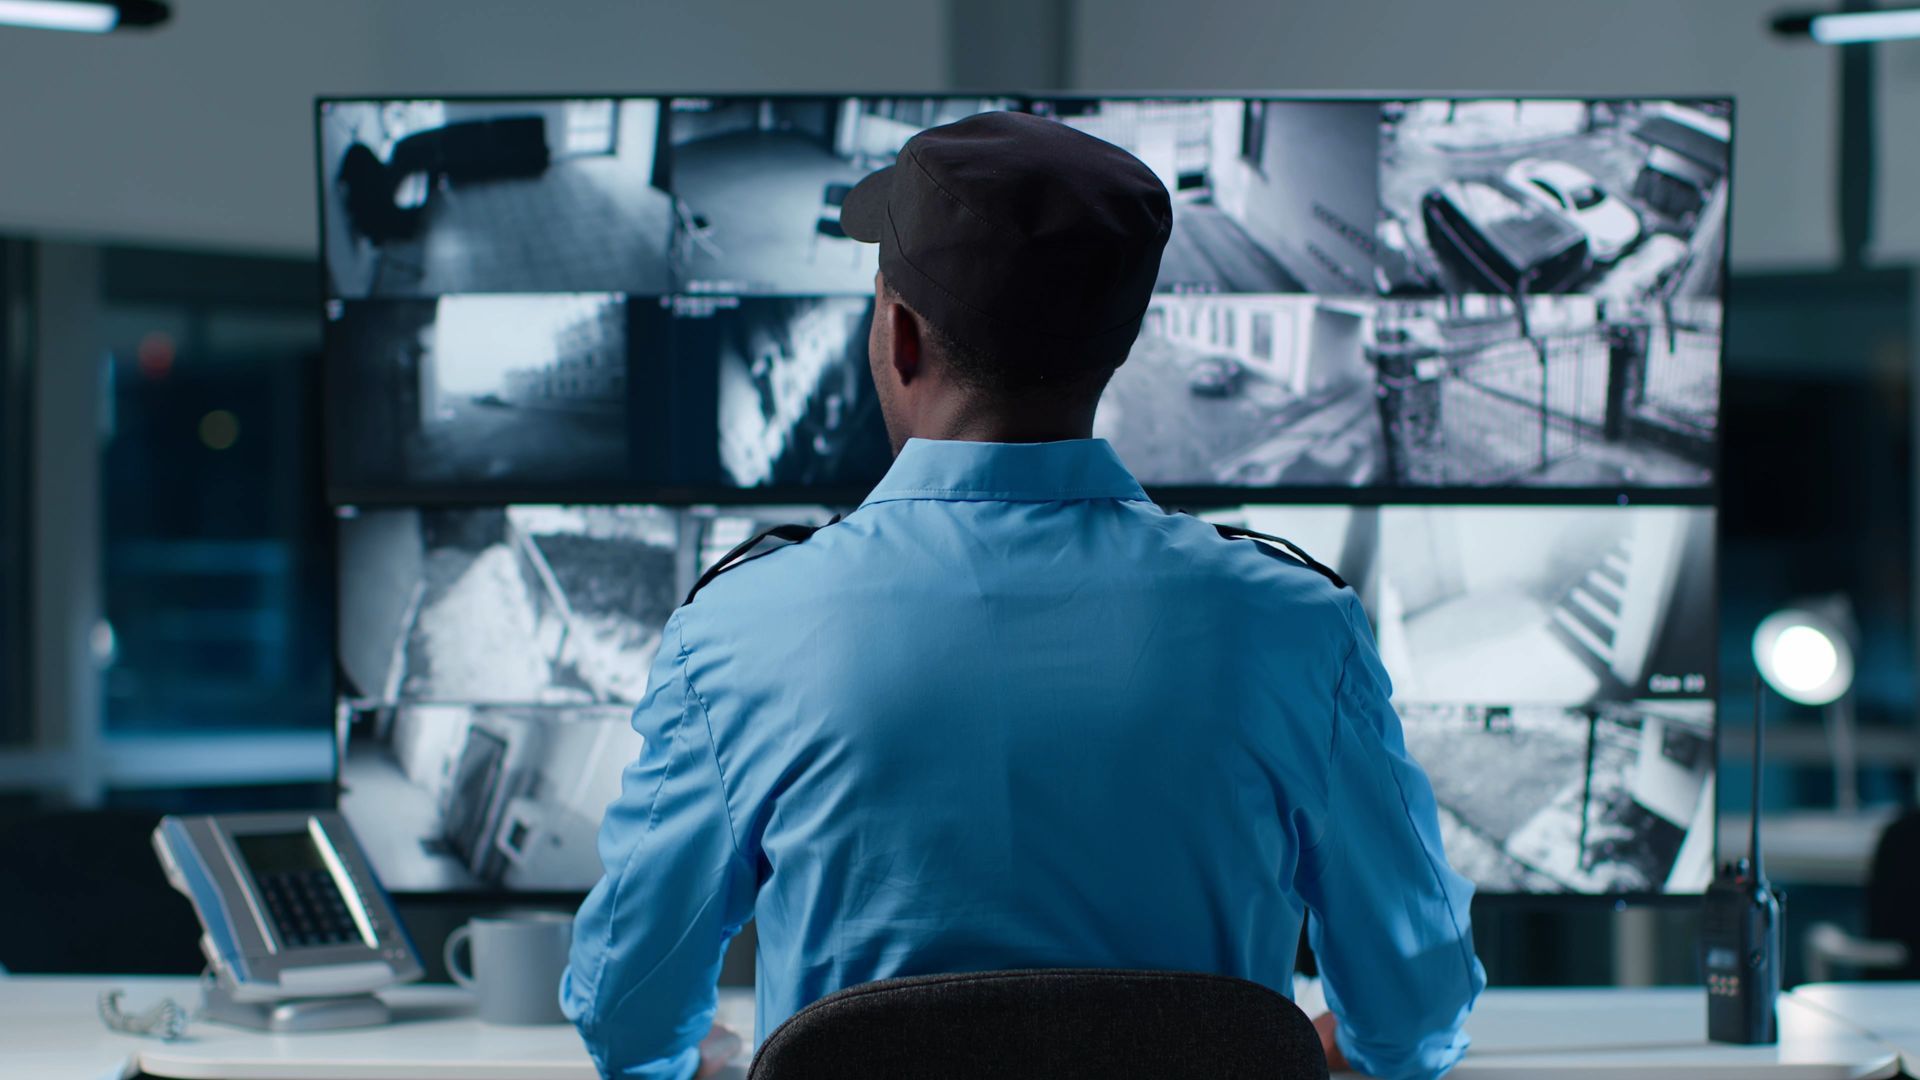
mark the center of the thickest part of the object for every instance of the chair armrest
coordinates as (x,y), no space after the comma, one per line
(1829,946)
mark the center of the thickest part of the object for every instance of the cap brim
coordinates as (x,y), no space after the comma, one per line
(863,216)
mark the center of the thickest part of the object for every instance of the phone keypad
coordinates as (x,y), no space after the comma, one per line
(307,909)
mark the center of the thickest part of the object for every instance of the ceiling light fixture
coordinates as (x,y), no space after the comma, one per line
(1850,27)
(84,16)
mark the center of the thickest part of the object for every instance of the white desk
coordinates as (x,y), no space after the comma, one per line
(49,1031)
(1889,1011)
(1599,1034)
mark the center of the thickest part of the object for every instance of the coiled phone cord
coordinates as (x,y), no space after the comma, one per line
(166,1020)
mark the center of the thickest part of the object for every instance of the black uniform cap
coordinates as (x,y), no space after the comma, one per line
(1019,235)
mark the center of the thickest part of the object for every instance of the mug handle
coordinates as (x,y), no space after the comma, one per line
(462,936)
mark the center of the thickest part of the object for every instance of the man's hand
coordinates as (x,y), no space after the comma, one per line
(1336,1061)
(717,1051)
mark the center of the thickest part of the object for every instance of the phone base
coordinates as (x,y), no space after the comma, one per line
(296,1014)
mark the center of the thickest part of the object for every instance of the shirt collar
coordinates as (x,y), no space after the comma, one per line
(957,471)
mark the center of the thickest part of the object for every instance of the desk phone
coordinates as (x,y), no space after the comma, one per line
(297,930)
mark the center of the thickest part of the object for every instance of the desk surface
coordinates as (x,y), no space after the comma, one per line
(1891,1011)
(1603,1033)
(48,1029)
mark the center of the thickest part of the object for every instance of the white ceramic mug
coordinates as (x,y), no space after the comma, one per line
(516,964)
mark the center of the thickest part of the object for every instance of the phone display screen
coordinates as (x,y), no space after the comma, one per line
(297,890)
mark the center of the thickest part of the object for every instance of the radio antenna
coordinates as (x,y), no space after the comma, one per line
(1759,757)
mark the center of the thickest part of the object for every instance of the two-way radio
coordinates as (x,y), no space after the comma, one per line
(1741,932)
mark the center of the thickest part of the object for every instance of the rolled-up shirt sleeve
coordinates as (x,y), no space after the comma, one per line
(1388,918)
(648,941)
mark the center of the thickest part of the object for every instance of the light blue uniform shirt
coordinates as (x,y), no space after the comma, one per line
(1010,714)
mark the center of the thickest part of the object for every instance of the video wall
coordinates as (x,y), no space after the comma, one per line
(1465,351)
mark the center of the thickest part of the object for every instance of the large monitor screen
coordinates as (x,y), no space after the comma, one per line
(1465,350)
(651,299)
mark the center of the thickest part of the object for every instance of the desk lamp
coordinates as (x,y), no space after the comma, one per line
(1805,653)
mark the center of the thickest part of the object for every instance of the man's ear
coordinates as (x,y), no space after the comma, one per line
(904,334)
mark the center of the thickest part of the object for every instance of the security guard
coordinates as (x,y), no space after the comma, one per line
(1009,713)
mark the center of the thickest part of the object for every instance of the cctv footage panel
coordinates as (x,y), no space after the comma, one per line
(1465,351)
(1300,392)
(652,299)
(1552,671)
(489,662)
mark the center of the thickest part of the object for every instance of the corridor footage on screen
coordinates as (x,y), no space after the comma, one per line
(1384,296)
(1466,352)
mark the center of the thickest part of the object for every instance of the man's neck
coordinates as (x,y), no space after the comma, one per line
(969,422)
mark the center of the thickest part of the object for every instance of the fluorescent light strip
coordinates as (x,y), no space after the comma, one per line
(60,15)
(1855,27)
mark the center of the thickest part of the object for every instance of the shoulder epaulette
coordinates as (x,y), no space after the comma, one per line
(742,552)
(1281,548)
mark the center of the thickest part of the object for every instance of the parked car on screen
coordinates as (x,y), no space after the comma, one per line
(1501,239)
(1570,191)
(1217,376)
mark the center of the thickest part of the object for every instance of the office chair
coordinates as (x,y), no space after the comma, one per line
(1059,1024)
(499,148)
(693,230)
(1891,947)
(370,194)
(828,225)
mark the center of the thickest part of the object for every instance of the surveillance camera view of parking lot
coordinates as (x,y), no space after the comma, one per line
(1247,391)
(1268,196)
(1560,392)
(479,391)
(1623,200)
(758,184)
(1280,391)
(1616,798)
(424,198)
(544,605)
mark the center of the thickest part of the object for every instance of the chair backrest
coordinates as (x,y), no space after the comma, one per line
(1059,1024)
(1893,892)
(498,148)
(687,220)
(365,190)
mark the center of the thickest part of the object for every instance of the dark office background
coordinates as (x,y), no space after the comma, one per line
(165,633)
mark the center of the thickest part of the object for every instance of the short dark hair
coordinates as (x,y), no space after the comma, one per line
(1008,373)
